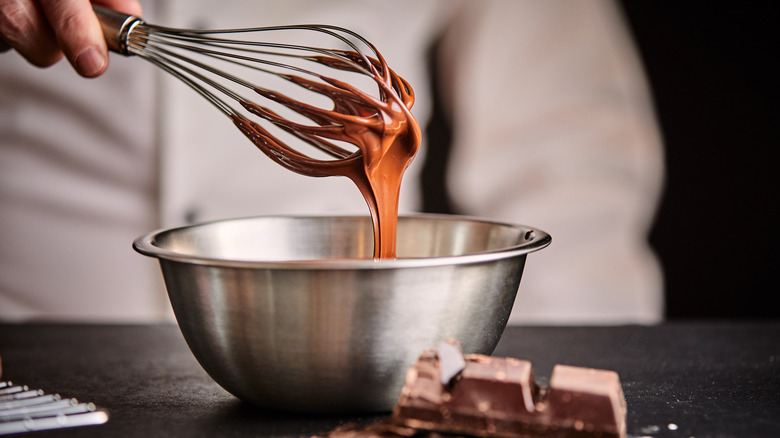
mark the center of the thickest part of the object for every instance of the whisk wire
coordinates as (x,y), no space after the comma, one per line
(163,52)
(166,61)
(337,32)
(233,57)
(155,43)
(208,61)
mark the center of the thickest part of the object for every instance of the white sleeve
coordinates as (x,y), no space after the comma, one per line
(554,128)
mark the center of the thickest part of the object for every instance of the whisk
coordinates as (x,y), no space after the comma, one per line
(207,61)
(364,126)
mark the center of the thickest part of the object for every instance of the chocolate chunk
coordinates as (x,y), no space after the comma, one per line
(499,397)
(587,400)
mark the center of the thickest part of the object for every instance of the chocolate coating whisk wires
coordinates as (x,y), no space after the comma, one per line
(233,68)
(346,105)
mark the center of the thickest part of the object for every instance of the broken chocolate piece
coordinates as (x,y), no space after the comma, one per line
(587,400)
(499,397)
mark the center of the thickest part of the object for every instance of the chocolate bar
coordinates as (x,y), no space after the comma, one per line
(449,394)
(491,396)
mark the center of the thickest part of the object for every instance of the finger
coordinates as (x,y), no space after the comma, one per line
(24,28)
(79,34)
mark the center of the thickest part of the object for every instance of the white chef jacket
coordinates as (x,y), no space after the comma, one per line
(553,128)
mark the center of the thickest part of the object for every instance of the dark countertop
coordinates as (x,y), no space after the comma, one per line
(706,379)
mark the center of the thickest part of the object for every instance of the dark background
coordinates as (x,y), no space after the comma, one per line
(711,67)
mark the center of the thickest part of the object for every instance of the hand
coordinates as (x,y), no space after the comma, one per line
(43,31)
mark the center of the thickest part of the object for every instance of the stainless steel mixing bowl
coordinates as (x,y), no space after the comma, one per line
(293,313)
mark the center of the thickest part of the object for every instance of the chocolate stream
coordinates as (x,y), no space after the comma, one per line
(383,129)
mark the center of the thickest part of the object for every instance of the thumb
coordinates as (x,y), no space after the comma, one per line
(79,34)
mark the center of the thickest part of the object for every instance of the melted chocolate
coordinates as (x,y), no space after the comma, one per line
(383,129)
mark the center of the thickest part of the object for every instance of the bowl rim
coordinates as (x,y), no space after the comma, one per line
(145,244)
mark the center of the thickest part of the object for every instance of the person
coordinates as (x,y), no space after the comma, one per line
(552,120)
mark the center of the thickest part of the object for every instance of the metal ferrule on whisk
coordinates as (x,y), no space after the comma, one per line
(116,28)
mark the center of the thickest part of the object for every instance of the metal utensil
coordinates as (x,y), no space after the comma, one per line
(24,410)
(294,313)
(338,75)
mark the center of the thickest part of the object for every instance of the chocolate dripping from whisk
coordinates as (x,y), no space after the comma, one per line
(386,134)
(383,128)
